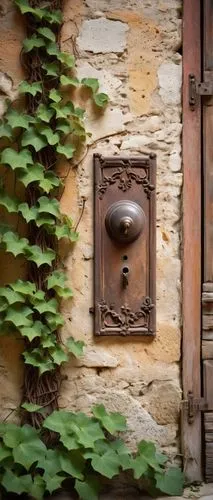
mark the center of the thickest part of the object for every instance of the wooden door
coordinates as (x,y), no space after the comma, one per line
(191,308)
(207,286)
(197,353)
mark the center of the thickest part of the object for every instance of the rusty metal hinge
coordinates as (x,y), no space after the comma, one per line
(198,88)
(192,406)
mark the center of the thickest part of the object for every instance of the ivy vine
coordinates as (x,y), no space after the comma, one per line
(49,126)
(58,447)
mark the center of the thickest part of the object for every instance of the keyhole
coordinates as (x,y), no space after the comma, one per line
(125,276)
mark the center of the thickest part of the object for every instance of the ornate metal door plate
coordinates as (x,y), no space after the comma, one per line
(125,245)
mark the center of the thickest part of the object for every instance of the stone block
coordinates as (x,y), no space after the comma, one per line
(170,82)
(163,402)
(97,357)
(102,35)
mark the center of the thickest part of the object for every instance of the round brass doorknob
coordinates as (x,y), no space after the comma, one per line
(125,221)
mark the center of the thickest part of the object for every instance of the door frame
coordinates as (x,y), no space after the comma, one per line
(191,433)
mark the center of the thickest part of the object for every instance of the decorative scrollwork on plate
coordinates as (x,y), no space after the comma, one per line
(124,176)
(126,319)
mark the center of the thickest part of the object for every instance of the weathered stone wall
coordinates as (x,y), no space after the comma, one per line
(133,47)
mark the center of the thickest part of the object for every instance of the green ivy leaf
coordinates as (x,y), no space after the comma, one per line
(37,489)
(89,433)
(45,220)
(139,466)
(64,293)
(79,112)
(67,150)
(55,95)
(52,69)
(14,244)
(4,228)
(19,120)
(31,332)
(49,182)
(39,295)
(53,17)
(11,204)
(5,131)
(29,213)
(58,355)
(35,358)
(62,231)
(170,482)
(12,435)
(32,43)
(64,126)
(31,138)
(51,137)
(16,484)
(30,88)
(44,113)
(62,422)
(19,316)
(112,422)
(91,83)
(66,59)
(53,483)
(52,49)
(124,454)
(147,453)
(25,8)
(76,347)
(101,99)
(67,80)
(54,321)
(88,489)
(79,130)
(23,287)
(50,463)
(4,452)
(63,111)
(3,307)
(34,173)
(107,465)
(31,407)
(47,33)
(72,463)
(67,423)
(40,257)
(16,160)
(48,341)
(47,306)
(30,449)
(56,279)
(11,296)
(49,206)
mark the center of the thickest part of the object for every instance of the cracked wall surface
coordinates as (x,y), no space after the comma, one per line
(133,47)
